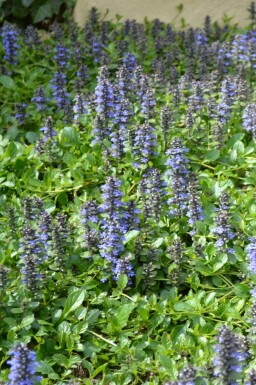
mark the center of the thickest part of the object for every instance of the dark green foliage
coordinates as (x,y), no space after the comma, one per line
(26,12)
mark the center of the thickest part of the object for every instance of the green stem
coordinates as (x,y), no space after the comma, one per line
(226,280)
(127,296)
(102,338)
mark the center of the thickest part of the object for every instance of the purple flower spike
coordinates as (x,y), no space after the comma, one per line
(223,230)
(229,356)
(178,173)
(251,254)
(23,366)
(10,43)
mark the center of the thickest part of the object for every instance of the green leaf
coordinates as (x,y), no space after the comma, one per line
(7,82)
(70,134)
(56,5)
(43,12)
(18,10)
(72,303)
(8,183)
(98,370)
(63,198)
(81,327)
(167,362)
(178,332)
(53,376)
(49,206)
(44,368)
(10,321)
(158,242)
(92,316)
(60,359)
(144,313)
(90,159)
(242,291)
(212,155)
(11,336)
(63,331)
(2,1)
(130,235)
(156,321)
(70,344)
(210,298)
(64,327)
(239,147)
(27,3)
(12,150)
(27,321)
(16,310)
(122,281)
(73,359)
(122,315)
(221,262)
(43,322)
(31,136)
(183,306)
(81,313)
(234,139)
(88,366)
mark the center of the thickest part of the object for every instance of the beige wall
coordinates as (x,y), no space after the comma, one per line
(166,10)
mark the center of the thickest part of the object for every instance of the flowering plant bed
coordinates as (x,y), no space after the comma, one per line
(128,210)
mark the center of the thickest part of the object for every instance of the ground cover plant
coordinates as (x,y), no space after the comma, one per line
(128,210)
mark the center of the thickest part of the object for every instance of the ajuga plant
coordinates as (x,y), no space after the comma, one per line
(175,254)
(31,246)
(89,220)
(32,38)
(217,135)
(79,107)
(21,113)
(113,227)
(3,276)
(59,240)
(251,255)
(127,156)
(119,134)
(59,91)
(230,357)
(177,172)
(144,146)
(152,191)
(149,269)
(251,337)
(187,376)
(46,143)
(251,379)
(223,230)
(10,39)
(195,211)
(166,121)
(40,99)
(249,118)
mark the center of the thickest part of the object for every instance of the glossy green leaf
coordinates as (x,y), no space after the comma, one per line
(74,300)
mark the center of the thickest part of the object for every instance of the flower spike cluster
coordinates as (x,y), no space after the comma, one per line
(113,227)
(223,230)
(178,173)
